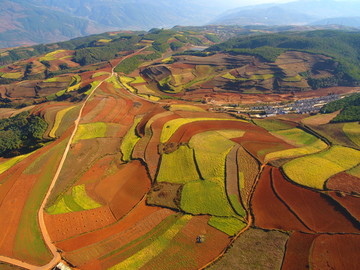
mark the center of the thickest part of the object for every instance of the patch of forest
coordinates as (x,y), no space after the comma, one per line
(342,46)
(21,134)
(349,106)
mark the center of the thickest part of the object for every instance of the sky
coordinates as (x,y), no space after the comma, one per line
(240,3)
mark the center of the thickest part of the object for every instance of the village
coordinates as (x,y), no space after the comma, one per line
(302,106)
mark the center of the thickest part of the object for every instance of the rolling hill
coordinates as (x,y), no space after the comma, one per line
(137,150)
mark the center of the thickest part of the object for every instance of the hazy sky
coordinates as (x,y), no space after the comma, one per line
(255,2)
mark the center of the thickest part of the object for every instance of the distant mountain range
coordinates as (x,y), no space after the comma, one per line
(25,22)
(303,12)
(28,22)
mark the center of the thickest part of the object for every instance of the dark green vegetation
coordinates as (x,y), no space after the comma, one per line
(349,106)
(341,46)
(21,134)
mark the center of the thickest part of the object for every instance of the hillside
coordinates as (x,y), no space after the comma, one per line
(128,150)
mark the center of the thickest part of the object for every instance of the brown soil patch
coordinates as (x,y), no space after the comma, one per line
(344,182)
(269,212)
(165,194)
(297,251)
(254,250)
(314,209)
(133,184)
(335,252)
(64,226)
(320,119)
(184,133)
(350,203)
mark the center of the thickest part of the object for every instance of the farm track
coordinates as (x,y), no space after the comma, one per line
(46,236)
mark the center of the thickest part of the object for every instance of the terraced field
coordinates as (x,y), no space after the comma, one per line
(148,181)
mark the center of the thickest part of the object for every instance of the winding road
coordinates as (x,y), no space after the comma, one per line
(57,258)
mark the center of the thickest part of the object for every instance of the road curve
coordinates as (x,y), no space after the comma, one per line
(57,258)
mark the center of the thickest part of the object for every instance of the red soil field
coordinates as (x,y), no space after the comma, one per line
(185,253)
(11,211)
(344,182)
(350,203)
(134,183)
(314,209)
(335,252)
(187,131)
(140,129)
(297,251)
(64,226)
(89,256)
(140,212)
(269,212)
(260,142)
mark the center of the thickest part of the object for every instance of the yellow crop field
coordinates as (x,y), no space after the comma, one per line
(77,200)
(315,147)
(90,131)
(129,141)
(295,136)
(206,197)
(51,56)
(178,167)
(355,171)
(14,75)
(170,127)
(229,225)
(211,149)
(58,119)
(98,74)
(352,130)
(12,162)
(185,107)
(159,244)
(314,170)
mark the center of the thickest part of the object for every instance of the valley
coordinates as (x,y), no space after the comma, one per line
(152,156)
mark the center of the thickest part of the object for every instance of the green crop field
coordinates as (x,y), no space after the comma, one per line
(272,124)
(229,225)
(314,170)
(94,84)
(98,74)
(185,107)
(12,162)
(90,131)
(205,197)
(129,141)
(78,200)
(315,147)
(178,167)
(58,119)
(51,56)
(295,136)
(355,171)
(352,130)
(170,127)
(211,149)
(29,243)
(14,75)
